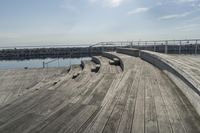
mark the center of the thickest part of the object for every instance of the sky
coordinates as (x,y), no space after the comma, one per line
(58,22)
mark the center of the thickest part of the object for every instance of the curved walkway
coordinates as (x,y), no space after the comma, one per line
(140,99)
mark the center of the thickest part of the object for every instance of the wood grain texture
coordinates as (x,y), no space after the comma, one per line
(138,99)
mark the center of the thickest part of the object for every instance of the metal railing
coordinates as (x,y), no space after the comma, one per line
(46,64)
(191,46)
(44,46)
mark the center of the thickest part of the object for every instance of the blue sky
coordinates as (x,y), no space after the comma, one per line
(43,22)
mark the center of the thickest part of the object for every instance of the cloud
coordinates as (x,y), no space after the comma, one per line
(159,4)
(188,27)
(92,1)
(109,3)
(115,3)
(69,5)
(175,16)
(186,1)
(138,10)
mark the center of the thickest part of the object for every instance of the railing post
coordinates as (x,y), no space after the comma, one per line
(90,51)
(81,53)
(58,63)
(43,65)
(166,49)
(103,48)
(70,58)
(154,48)
(131,44)
(179,50)
(196,47)
(146,45)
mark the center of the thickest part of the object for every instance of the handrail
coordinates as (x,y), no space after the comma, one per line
(45,46)
(45,64)
(151,43)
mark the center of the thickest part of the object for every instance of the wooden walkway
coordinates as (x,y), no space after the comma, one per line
(140,99)
(190,64)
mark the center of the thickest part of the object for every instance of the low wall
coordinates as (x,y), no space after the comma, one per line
(129,51)
(96,60)
(112,56)
(166,66)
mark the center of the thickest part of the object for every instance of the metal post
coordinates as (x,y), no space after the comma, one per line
(179,51)
(196,48)
(58,63)
(131,44)
(43,64)
(90,50)
(47,67)
(166,50)
(70,59)
(138,44)
(154,49)
(81,54)
(146,45)
(102,50)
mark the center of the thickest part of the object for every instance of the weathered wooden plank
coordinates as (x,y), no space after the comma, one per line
(174,117)
(138,125)
(21,109)
(20,124)
(151,123)
(114,119)
(82,117)
(127,116)
(102,117)
(160,106)
(183,107)
(59,123)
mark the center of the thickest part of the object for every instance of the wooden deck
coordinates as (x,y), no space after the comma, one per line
(190,64)
(140,99)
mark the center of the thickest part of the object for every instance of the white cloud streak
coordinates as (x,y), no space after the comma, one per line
(175,16)
(186,1)
(138,10)
(109,3)
(115,3)
(68,4)
(188,27)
